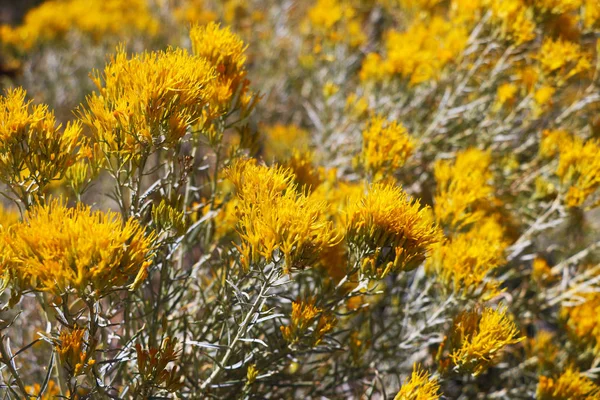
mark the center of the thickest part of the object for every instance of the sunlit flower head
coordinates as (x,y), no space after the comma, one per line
(463,263)
(386,146)
(75,349)
(420,386)
(34,149)
(562,59)
(393,231)
(282,140)
(477,338)
(304,315)
(148,101)
(578,167)
(570,385)
(461,186)
(274,217)
(226,52)
(53,251)
(582,322)
(420,53)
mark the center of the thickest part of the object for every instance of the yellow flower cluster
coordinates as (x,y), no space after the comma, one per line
(304,314)
(419,386)
(34,150)
(58,250)
(192,12)
(461,186)
(393,232)
(75,351)
(148,100)
(419,53)
(477,338)
(51,393)
(54,19)
(306,174)
(513,18)
(558,6)
(541,271)
(225,51)
(275,218)
(510,19)
(561,59)
(281,140)
(570,385)
(506,94)
(553,141)
(578,165)
(386,146)
(591,14)
(545,347)
(335,21)
(582,321)
(463,263)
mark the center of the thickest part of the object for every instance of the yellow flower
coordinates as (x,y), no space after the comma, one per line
(461,186)
(386,146)
(52,250)
(553,141)
(540,270)
(51,393)
(562,59)
(251,374)
(578,166)
(506,93)
(34,150)
(514,20)
(226,52)
(558,6)
(53,19)
(194,12)
(391,231)
(476,339)
(148,101)
(591,13)
(419,387)
(545,347)
(281,140)
(275,217)
(304,314)
(570,385)
(543,95)
(306,175)
(421,52)
(374,68)
(8,217)
(75,351)
(330,89)
(336,21)
(356,105)
(582,321)
(464,262)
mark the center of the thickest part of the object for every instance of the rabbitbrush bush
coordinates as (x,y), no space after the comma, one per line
(301,199)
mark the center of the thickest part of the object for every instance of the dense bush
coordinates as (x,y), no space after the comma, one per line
(301,199)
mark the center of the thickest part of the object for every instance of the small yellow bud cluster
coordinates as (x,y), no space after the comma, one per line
(75,350)
(420,386)
(304,315)
(476,339)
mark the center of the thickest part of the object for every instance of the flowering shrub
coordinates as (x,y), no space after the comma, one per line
(300,199)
